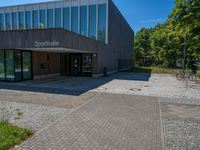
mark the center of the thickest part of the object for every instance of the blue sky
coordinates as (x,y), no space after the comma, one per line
(138,13)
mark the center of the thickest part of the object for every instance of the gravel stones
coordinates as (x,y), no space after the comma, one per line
(30,116)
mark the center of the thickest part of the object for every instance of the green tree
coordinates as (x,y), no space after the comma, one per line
(186,17)
(164,44)
(143,45)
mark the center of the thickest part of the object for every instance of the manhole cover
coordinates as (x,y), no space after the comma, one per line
(135,89)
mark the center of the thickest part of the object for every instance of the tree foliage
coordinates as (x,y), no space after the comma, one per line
(164,44)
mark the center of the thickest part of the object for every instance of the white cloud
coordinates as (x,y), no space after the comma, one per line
(151,21)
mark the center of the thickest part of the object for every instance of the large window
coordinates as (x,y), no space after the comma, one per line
(74,16)
(92,21)
(102,23)
(21,20)
(58,17)
(2,22)
(35,19)
(28,20)
(66,18)
(87,63)
(8,21)
(15,65)
(83,20)
(2,66)
(18,65)
(10,76)
(14,21)
(42,23)
(27,72)
(50,23)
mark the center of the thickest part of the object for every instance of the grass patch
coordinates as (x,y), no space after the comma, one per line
(19,114)
(155,70)
(11,135)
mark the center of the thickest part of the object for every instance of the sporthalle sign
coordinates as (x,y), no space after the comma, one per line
(46,44)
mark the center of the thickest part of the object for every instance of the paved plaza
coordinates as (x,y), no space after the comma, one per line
(108,122)
(124,111)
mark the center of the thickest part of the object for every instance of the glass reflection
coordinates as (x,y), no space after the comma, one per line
(26,65)
(92,21)
(8,21)
(21,20)
(14,21)
(83,20)
(2,66)
(50,23)
(18,65)
(1,21)
(66,18)
(102,23)
(42,23)
(74,16)
(10,65)
(28,19)
(87,63)
(58,17)
(35,19)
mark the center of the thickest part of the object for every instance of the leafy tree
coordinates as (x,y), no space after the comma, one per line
(143,45)
(164,44)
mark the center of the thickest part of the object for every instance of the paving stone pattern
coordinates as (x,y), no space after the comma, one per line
(107,122)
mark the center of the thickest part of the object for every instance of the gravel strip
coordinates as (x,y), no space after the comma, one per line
(30,116)
(181,125)
(181,135)
(184,101)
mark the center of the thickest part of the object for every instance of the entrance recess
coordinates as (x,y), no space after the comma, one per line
(76,63)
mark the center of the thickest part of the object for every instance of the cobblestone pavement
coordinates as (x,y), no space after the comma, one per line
(115,118)
(107,122)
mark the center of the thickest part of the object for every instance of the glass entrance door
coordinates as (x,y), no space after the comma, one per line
(76,65)
(65,64)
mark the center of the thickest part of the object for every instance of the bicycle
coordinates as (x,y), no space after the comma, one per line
(180,75)
(192,77)
(185,77)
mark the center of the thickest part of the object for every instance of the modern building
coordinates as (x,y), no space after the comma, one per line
(68,37)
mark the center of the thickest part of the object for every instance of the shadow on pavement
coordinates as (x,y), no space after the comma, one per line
(74,86)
